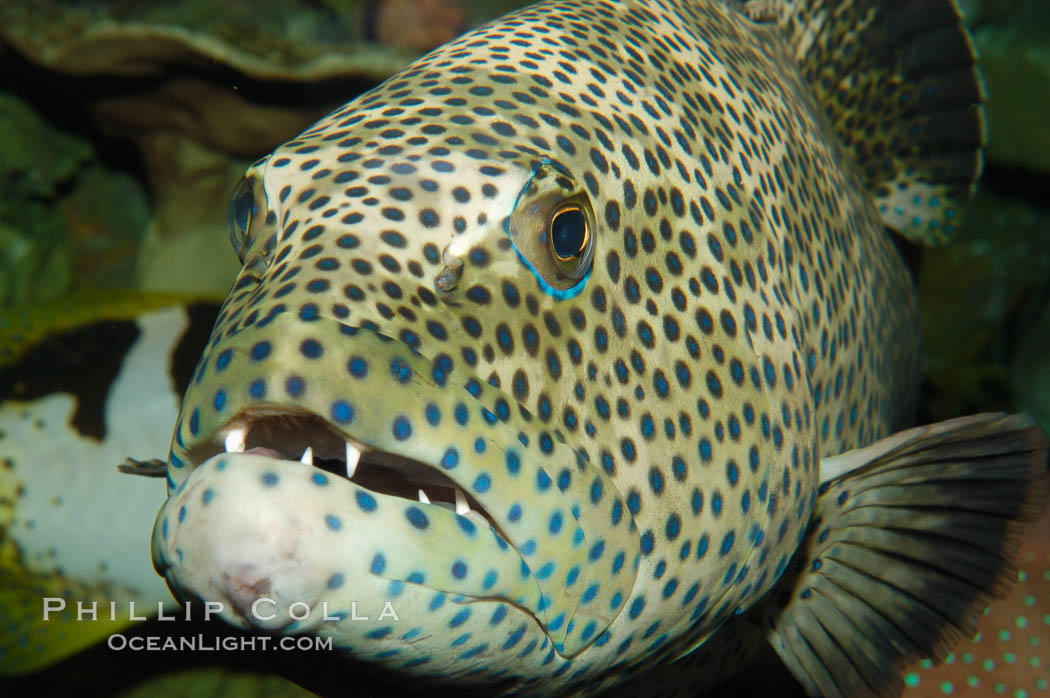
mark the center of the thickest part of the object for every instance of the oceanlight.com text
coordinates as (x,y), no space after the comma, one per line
(215,643)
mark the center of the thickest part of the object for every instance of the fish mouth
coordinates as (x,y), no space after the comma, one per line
(393,468)
(283,434)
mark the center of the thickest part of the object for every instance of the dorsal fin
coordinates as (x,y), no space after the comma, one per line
(899,82)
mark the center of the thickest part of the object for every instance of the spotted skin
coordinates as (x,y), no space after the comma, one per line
(644,439)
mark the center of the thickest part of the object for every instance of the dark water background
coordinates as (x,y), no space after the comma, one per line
(119,145)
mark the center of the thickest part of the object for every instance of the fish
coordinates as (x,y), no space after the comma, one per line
(71,525)
(576,358)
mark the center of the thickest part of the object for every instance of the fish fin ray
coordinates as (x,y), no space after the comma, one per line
(900,85)
(905,550)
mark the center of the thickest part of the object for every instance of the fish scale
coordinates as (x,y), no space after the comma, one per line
(619,272)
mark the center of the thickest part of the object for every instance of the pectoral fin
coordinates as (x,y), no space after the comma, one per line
(910,538)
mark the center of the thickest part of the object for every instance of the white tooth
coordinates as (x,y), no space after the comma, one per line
(353,455)
(235,440)
(308,456)
(461,502)
(423,497)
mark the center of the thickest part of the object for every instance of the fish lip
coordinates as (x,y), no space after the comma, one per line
(285,432)
(247,580)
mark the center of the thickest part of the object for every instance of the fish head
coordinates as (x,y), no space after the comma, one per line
(532,339)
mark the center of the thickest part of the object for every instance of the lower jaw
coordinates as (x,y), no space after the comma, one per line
(246,526)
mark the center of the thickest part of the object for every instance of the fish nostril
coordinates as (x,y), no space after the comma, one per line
(447,279)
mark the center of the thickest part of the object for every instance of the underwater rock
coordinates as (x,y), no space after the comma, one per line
(198,88)
(64,220)
(291,40)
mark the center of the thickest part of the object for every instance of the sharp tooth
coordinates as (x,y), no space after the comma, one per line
(461,502)
(353,455)
(308,456)
(235,440)
(423,497)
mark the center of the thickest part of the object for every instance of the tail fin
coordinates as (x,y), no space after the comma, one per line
(905,549)
(899,82)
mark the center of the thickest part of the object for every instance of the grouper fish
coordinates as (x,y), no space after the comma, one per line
(575,358)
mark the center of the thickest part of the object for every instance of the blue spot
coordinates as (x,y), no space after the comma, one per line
(402,428)
(543,480)
(220,400)
(634,503)
(656,481)
(673,527)
(546,443)
(319,479)
(223,361)
(207,496)
(378,564)
(513,462)
(270,479)
(450,459)
(596,551)
(357,367)
(732,473)
(466,525)
(335,581)
(482,483)
(333,522)
(257,389)
(311,349)
(705,450)
(260,350)
(727,543)
(417,518)
(596,491)
(660,383)
(342,412)
(555,523)
(515,513)
(400,370)
(701,546)
(294,386)
(366,501)
(646,543)
(459,569)
(515,637)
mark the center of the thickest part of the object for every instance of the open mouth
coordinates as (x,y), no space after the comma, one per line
(309,439)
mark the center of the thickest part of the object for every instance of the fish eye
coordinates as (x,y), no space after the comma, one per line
(239,216)
(569,237)
(552,228)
